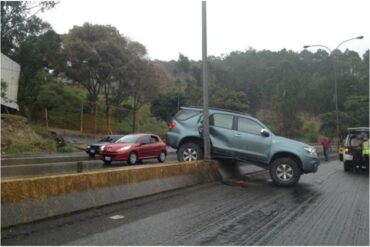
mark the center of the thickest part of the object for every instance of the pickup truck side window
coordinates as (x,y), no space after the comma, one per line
(249,126)
(222,121)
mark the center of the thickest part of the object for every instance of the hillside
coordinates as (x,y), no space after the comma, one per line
(17,135)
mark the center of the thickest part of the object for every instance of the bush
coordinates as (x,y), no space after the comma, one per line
(66,149)
(310,132)
(47,145)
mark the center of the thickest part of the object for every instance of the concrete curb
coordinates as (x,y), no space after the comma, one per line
(30,199)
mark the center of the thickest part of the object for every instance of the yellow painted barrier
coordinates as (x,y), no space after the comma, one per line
(38,188)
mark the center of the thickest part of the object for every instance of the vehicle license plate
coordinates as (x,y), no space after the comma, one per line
(107,158)
(92,151)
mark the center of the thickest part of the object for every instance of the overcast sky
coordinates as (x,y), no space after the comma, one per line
(170,27)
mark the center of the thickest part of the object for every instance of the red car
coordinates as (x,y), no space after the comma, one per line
(133,148)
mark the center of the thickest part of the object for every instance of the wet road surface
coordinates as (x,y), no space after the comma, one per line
(330,207)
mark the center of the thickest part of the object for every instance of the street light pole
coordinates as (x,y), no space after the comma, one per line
(335,78)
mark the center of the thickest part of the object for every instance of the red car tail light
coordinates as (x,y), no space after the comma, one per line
(172,125)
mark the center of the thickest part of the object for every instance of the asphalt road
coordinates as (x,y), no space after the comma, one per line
(330,207)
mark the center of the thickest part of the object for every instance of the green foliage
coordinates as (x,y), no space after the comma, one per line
(284,82)
(29,41)
(152,125)
(104,62)
(96,55)
(36,56)
(61,97)
(310,131)
(4,89)
(146,122)
(328,123)
(66,149)
(18,23)
(46,145)
(358,108)
(164,106)
(41,131)
(115,71)
(231,100)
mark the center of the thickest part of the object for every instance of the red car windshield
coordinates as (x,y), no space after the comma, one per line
(129,139)
(110,138)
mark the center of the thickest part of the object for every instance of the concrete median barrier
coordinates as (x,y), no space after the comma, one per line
(29,199)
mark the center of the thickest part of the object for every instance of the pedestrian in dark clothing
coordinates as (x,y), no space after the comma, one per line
(326,144)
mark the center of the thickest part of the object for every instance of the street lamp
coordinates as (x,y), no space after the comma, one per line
(335,77)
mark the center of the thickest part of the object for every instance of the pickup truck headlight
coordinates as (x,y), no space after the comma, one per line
(310,150)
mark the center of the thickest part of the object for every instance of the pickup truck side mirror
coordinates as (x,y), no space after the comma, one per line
(265,133)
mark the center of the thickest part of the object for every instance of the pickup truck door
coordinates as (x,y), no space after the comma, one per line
(251,141)
(221,133)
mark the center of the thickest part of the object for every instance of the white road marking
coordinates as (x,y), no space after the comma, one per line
(116,217)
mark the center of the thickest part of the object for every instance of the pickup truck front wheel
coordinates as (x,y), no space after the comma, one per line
(285,172)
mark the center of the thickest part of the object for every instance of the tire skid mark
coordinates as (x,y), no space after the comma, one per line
(284,218)
(249,218)
(304,227)
(325,227)
(214,219)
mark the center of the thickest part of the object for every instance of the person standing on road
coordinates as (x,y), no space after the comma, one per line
(326,143)
(365,151)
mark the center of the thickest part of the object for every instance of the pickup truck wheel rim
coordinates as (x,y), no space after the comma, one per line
(284,172)
(190,154)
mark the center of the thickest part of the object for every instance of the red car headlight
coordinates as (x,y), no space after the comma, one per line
(124,148)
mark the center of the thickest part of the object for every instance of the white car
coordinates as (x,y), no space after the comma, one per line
(352,156)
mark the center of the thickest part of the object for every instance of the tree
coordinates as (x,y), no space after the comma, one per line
(328,123)
(97,55)
(36,56)
(18,23)
(144,87)
(285,98)
(358,108)
(165,105)
(30,42)
(231,100)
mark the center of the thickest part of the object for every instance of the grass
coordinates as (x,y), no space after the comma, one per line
(46,145)
(66,149)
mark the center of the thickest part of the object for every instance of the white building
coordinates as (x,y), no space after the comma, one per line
(10,71)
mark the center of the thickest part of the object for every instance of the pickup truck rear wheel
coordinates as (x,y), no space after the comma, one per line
(285,172)
(189,152)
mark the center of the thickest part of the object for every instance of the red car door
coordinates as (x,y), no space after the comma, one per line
(144,150)
(156,146)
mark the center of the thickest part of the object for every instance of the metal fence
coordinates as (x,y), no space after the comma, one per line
(92,119)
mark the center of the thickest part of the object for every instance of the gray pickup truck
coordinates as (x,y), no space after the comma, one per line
(240,137)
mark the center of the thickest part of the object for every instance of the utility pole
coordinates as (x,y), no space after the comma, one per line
(206,144)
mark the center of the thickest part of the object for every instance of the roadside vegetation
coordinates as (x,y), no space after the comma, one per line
(97,71)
